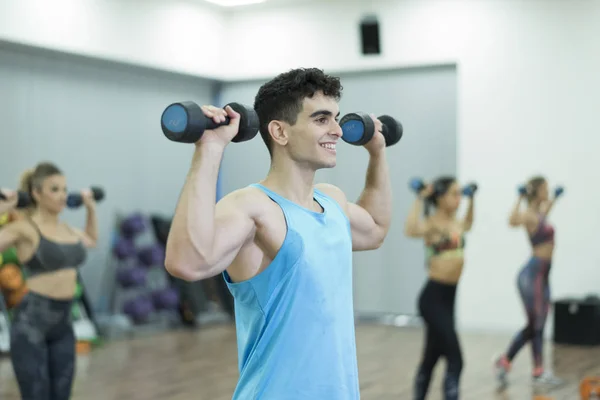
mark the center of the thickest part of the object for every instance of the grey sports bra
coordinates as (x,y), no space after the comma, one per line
(52,256)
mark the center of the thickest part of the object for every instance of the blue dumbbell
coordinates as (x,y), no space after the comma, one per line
(185,122)
(358,129)
(469,190)
(416,185)
(559,191)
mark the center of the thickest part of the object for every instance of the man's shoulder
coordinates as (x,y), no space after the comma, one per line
(248,198)
(334,192)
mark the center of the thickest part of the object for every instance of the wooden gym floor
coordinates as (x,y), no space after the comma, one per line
(202,364)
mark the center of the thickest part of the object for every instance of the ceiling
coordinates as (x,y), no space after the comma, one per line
(276,3)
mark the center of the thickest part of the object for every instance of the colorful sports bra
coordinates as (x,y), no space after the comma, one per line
(544,232)
(448,246)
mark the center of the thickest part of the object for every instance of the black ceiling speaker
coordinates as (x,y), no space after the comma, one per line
(369,35)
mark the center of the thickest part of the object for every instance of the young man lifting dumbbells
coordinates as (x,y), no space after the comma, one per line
(284,245)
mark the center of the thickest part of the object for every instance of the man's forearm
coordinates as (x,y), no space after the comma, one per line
(192,231)
(376,197)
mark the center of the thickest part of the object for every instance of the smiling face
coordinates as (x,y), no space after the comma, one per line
(50,193)
(312,140)
(297,112)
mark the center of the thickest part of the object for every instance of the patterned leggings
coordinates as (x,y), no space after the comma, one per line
(42,348)
(535,294)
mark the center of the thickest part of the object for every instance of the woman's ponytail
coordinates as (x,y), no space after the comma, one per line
(26,185)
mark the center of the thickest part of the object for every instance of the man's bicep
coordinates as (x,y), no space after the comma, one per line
(366,234)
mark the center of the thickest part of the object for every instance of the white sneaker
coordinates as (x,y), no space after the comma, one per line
(547,378)
(501,372)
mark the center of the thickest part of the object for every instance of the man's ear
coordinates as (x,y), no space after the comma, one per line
(279,132)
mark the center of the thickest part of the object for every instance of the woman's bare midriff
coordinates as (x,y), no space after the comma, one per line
(446,270)
(58,285)
(544,251)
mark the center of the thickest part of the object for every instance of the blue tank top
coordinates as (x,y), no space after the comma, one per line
(295,319)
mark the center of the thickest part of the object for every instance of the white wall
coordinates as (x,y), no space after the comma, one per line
(528,89)
(175,35)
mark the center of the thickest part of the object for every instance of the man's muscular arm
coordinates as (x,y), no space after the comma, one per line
(205,237)
(371,215)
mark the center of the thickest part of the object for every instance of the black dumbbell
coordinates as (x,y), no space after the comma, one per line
(358,129)
(23,199)
(74,200)
(185,122)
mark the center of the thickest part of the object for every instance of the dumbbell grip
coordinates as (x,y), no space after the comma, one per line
(211,124)
(74,200)
(198,122)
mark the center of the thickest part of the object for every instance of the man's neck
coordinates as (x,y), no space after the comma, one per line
(292,181)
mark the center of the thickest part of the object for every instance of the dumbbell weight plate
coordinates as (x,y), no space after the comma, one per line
(249,124)
(357,128)
(181,121)
(392,130)
(98,193)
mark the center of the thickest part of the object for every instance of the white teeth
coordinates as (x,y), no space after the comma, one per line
(330,146)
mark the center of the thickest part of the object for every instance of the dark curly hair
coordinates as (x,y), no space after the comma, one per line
(281,98)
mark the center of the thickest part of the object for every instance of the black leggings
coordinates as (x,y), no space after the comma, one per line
(436,305)
(42,348)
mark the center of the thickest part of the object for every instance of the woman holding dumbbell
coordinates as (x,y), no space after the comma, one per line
(443,234)
(533,283)
(42,338)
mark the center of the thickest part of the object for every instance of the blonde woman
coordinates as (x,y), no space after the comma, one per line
(50,251)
